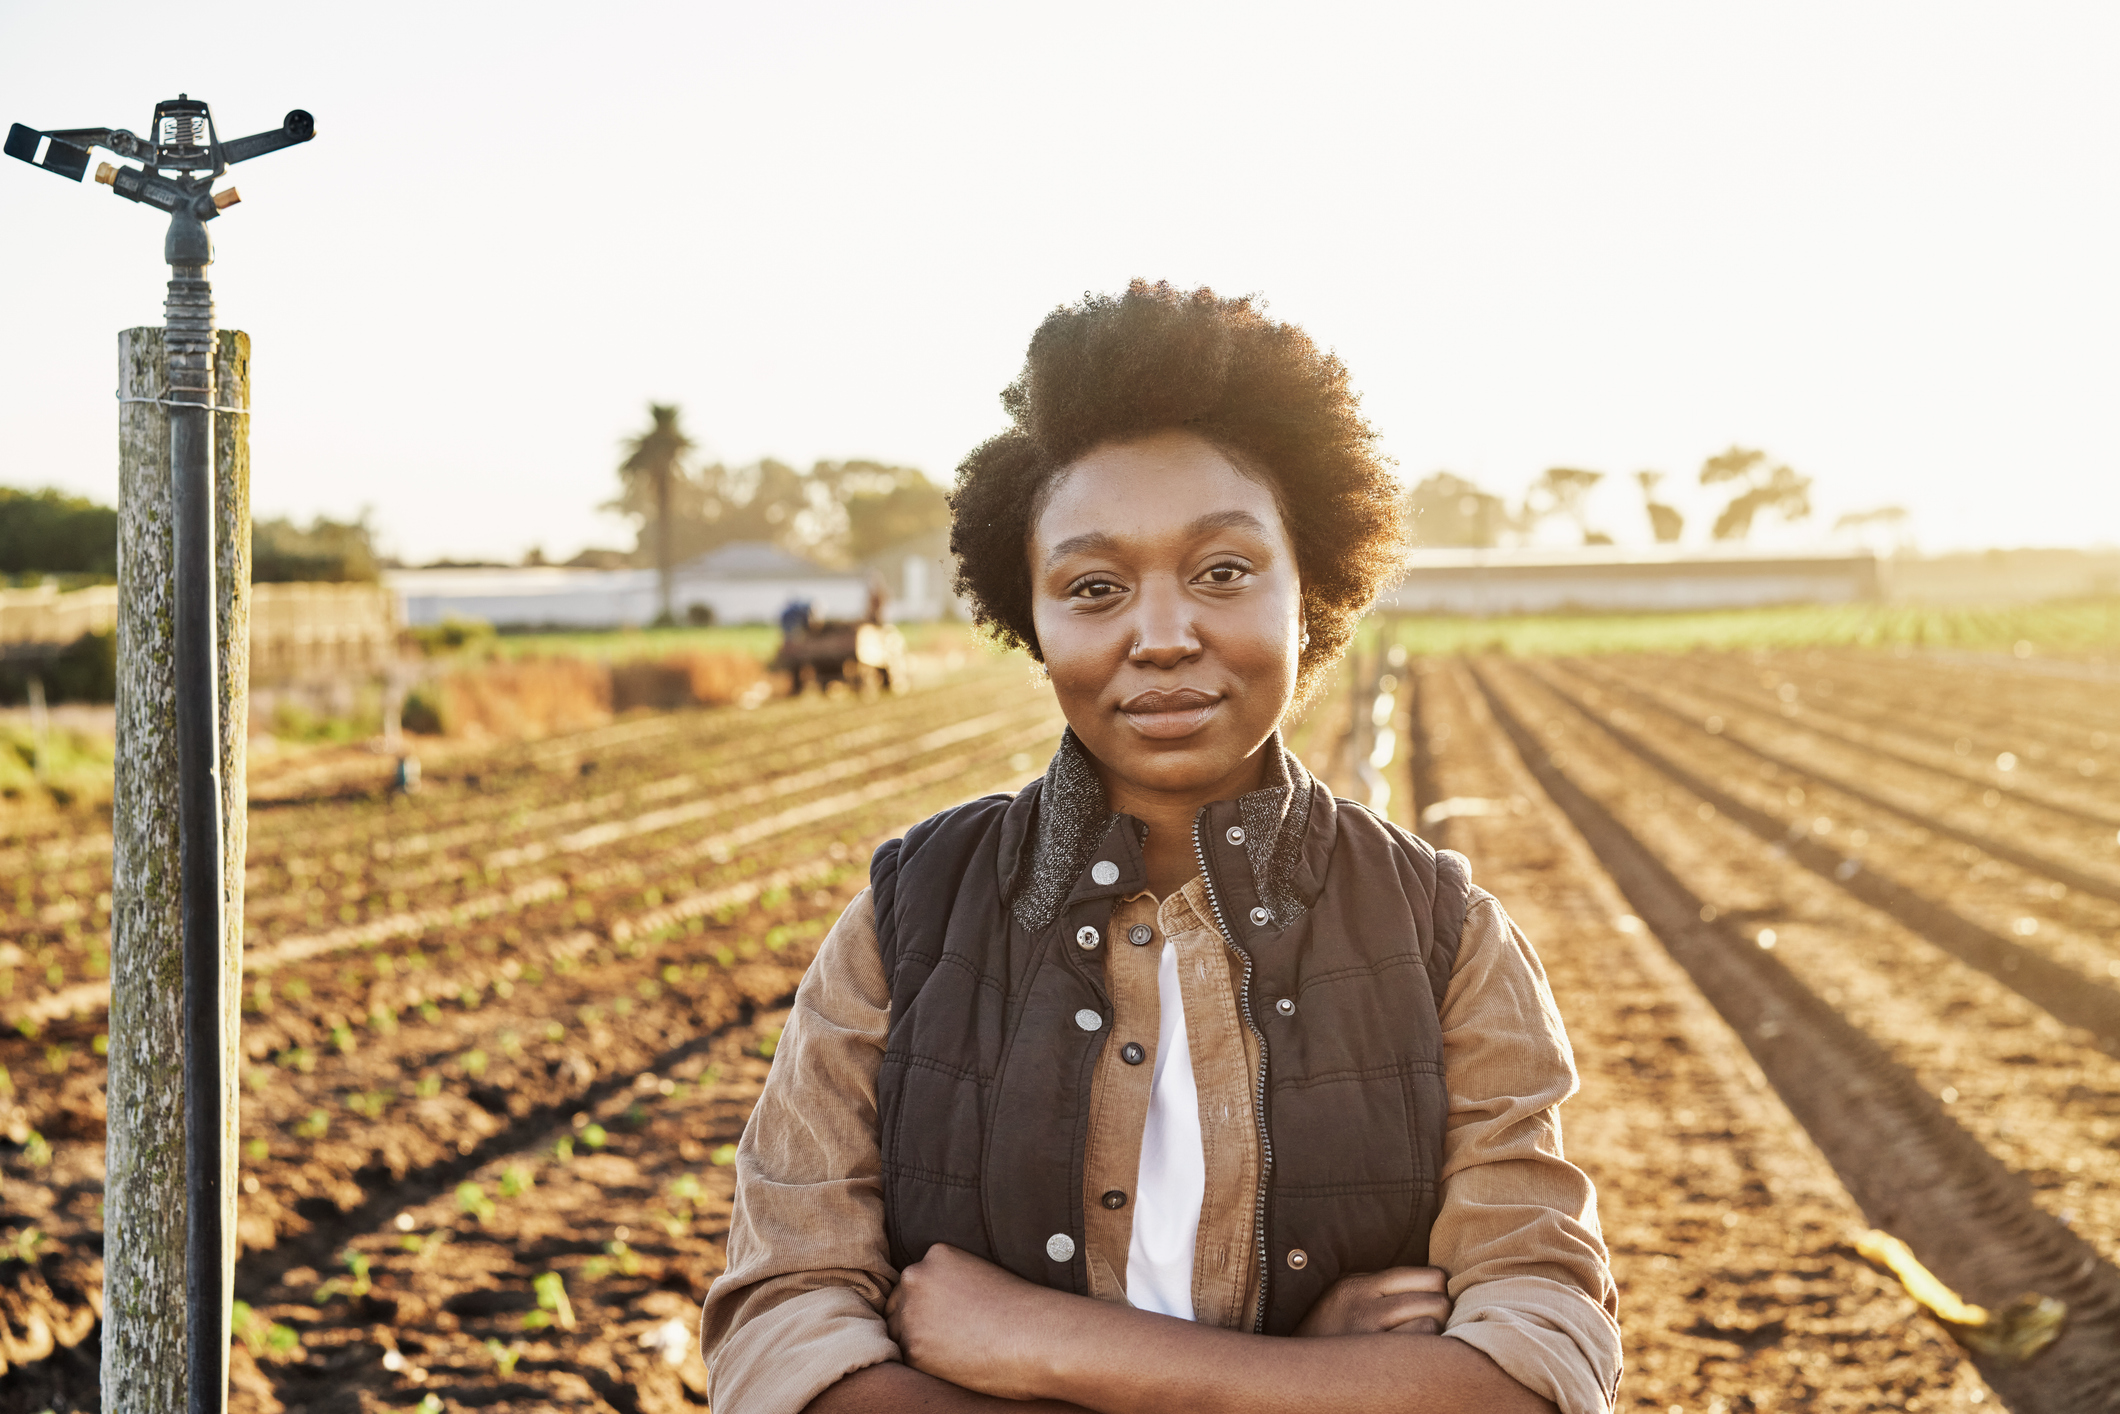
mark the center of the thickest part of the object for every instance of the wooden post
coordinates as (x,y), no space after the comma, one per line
(144,1188)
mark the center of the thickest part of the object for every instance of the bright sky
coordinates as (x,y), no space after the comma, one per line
(1878,240)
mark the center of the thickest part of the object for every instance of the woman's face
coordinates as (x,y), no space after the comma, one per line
(1165,595)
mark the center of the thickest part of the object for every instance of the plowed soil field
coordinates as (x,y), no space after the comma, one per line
(1835,934)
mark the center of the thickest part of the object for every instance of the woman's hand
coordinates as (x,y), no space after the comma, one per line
(967,1321)
(1406,1299)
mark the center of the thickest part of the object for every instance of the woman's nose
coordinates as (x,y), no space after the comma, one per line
(1164,634)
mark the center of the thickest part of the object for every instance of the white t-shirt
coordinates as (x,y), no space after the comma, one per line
(1173,1178)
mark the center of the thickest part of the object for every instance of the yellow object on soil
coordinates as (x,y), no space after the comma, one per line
(2019,1331)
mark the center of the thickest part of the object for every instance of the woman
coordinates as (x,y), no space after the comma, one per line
(1103,1091)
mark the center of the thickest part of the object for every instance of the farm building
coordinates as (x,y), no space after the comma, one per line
(916,575)
(744,582)
(1490,582)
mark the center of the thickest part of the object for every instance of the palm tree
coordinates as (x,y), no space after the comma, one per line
(654,461)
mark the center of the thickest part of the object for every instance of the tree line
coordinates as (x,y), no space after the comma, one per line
(1448,510)
(47,532)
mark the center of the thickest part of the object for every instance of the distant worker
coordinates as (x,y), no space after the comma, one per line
(1106,1094)
(878,597)
(795,619)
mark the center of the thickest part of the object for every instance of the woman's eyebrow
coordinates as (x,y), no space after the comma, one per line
(1102,542)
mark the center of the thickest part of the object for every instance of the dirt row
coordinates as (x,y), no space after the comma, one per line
(1731,1237)
(389,1069)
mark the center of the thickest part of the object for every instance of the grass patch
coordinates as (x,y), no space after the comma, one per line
(65,768)
(2073,628)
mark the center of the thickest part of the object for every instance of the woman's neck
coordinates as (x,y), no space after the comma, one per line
(1169,815)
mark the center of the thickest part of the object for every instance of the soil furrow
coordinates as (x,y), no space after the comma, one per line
(1913,1170)
(2065,992)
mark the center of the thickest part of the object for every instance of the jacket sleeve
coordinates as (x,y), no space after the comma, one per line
(1529,1277)
(799,1305)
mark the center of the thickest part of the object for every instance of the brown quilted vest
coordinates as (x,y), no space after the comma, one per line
(983,1095)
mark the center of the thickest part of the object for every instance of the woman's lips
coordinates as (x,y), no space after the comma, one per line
(1165,716)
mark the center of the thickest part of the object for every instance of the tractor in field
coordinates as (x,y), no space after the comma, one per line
(867,656)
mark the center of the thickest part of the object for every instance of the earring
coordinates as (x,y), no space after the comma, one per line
(1303,643)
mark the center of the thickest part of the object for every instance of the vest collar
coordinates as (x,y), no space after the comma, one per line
(1061,821)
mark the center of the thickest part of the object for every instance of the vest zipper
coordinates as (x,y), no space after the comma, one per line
(1258,1094)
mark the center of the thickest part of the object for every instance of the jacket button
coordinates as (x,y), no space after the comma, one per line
(1286,1006)
(1132,1053)
(1297,1257)
(1104,872)
(1235,835)
(1140,935)
(1060,1247)
(1115,1199)
(1087,938)
(1088,1020)
(1260,918)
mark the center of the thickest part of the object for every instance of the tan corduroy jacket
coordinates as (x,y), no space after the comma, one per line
(799,1306)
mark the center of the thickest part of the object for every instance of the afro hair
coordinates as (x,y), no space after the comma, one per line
(1111,369)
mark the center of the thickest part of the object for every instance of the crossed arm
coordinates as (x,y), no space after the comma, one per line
(978,1338)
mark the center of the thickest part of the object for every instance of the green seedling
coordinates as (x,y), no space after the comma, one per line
(298,990)
(260,1336)
(258,1078)
(474,1063)
(25,1245)
(355,1285)
(516,1181)
(55,1058)
(593,1135)
(555,1032)
(688,1189)
(383,1021)
(563,1148)
(429,1012)
(101,1045)
(723,1157)
(430,1403)
(258,1151)
(769,1042)
(472,1199)
(621,1259)
(313,1127)
(553,1307)
(342,1039)
(36,1150)
(504,1356)
(428,1087)
(296,1058)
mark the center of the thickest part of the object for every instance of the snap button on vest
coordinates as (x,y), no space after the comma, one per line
(1088,1020)
(1132,1053)
(1297,1257)
(1115,1199)
(1235,835)
(1260,918)
(1140,935)
(1103,871)
(1286,1006)
(1087,938)
(1060,1247)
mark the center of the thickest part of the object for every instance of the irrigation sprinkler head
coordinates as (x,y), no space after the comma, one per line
(180,160)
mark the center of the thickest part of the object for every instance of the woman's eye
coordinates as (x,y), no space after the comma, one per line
(1226,574)
(1095,589)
